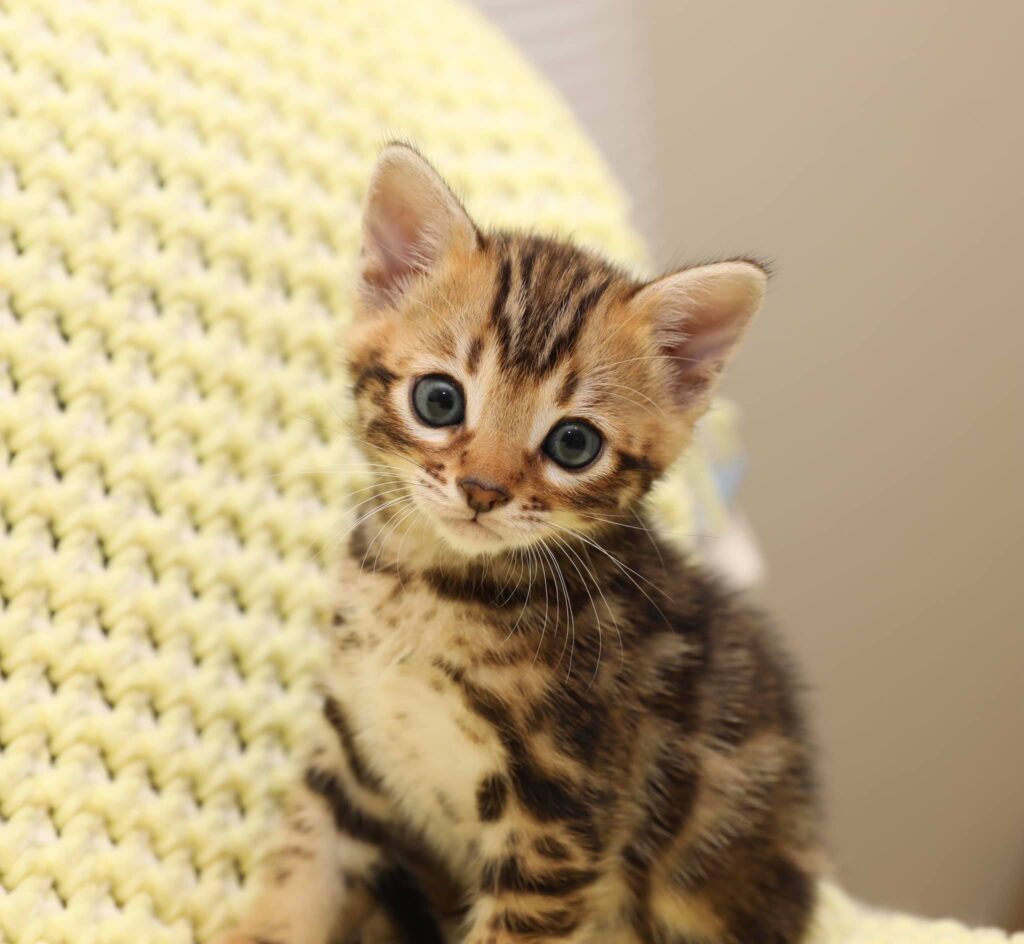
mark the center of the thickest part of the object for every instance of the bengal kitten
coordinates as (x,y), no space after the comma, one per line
(547,726)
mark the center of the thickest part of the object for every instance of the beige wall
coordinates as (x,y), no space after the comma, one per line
(875,150)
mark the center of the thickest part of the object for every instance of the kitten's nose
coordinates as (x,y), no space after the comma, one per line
(482,496)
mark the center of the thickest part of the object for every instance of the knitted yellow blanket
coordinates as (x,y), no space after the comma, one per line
(179,190)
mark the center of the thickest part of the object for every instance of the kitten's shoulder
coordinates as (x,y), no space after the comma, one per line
(728,651)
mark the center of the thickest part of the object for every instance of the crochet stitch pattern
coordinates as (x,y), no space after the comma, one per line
(180,183)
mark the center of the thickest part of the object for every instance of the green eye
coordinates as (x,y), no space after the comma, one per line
(438,401)
(573,444)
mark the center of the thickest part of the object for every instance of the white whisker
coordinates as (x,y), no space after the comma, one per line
(627,572)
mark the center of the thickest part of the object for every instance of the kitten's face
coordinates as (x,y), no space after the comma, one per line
(517,426)
(518,389)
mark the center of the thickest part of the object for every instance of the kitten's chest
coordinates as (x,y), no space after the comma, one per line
(410,719)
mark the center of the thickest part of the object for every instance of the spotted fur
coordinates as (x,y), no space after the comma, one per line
(546,725)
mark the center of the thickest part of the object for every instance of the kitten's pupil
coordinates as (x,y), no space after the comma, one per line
(573,444)
(438,401)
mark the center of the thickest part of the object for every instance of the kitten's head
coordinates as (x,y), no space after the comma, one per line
(520,387)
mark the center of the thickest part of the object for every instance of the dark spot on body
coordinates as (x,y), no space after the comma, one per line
(508,875)
(407,906)
(348,642)
(546,796)
(348,818)
(338,719)
(348,879)
(491,796)
(579,723)
(542,924)
(552,848)
(475,587)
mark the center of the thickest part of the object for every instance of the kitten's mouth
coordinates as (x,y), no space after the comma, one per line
(472,526)
(472,529)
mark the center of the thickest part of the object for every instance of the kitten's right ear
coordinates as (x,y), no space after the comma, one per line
(411,219)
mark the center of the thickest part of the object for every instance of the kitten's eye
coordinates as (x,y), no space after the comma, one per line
(573,444)
(438,401)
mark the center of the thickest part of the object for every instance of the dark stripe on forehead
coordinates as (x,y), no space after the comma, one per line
(476,348)
(499,317)
(589,300)
(527,257)
(566,341)
(577,277)
(545,293)
(569,385)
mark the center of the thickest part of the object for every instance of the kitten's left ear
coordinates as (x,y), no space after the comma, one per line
(411,219)
(698,316)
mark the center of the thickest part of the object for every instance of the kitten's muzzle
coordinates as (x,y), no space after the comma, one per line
(482,496)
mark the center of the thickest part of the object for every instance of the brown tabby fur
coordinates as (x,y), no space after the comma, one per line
(569,733)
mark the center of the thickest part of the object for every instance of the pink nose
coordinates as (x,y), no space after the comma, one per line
(482,496)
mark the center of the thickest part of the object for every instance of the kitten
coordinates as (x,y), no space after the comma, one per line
(546,725)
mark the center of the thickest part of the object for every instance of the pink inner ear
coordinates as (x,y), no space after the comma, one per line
(707,325)
(398,243)
(395,251)
(699,315)
(704,346)
(706,339)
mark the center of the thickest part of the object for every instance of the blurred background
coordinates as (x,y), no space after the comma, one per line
(874,151)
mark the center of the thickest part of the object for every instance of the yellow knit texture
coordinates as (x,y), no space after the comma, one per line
(180,184)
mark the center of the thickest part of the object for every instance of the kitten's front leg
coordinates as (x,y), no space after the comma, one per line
(535,888)
(521,920)
(316,882)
